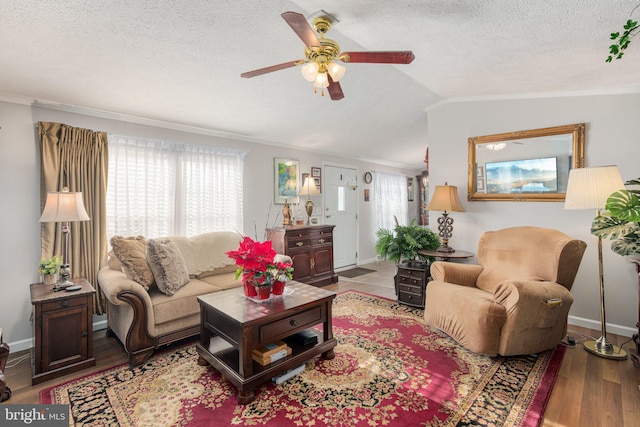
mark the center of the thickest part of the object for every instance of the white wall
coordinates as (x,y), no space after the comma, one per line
(610,139)
(20,178)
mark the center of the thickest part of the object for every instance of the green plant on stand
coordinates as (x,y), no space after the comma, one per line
(403,243)
(49,267)
(621,221)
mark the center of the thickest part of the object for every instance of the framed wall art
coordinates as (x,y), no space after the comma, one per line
(316,173)
(286,180)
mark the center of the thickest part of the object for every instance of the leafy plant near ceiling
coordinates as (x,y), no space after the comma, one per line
(621,221)
(623,39)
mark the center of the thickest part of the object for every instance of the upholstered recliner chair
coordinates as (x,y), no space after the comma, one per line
(516,301)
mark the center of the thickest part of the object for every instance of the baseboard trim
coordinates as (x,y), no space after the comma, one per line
(624,331)
(26,344)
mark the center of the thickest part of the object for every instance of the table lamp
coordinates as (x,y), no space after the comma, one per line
(64,207)
(445,199)
(308,189)
(589,188)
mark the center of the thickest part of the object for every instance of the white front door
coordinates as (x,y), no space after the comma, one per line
(340,198)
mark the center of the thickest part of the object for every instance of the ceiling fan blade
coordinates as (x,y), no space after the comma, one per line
(334,89)
(270,69)
(381,57)
(301,27)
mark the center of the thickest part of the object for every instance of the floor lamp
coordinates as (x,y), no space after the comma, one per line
(589,188)
(64,207)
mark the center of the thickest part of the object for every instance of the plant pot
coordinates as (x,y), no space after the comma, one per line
(278,287)
(264,292)
(249,288)
(50,279)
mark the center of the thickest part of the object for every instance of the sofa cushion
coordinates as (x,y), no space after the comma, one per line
(167,264)
(183,303)
(223,281)
(132,253)
(205,253)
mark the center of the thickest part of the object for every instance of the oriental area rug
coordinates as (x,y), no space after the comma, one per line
(390,369)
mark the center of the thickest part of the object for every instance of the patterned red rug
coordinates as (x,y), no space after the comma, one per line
(390,369)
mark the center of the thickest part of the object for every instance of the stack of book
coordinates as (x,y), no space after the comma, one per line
(271,352)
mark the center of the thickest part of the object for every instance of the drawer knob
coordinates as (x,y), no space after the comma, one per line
(299,244)
(84,333)
(65,303)
(293,322)
(321,240)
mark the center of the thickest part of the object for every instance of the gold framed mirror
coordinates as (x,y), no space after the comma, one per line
(526,166)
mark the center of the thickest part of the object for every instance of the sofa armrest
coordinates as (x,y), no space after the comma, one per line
(113,282)
(456,273)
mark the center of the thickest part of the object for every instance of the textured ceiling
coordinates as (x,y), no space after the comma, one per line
(180,62)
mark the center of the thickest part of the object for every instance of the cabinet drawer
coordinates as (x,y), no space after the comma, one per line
(402,287)
(298,243)
(325,239)
(411,298)
(414,281)
(284,327)
(63,303)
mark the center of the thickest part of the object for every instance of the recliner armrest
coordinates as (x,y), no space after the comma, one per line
(456,273)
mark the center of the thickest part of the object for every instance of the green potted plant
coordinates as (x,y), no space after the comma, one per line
(621,221)
(49,268)
(403,243)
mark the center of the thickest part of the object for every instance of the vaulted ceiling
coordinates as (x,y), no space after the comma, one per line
(179,62)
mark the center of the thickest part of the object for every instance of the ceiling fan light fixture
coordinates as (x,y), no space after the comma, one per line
(322,80)
(310,71)
(336,71)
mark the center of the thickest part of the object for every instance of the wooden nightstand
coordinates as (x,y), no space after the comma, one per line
(63,330)
(411,284)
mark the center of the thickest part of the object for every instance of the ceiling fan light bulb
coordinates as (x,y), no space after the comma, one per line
(336,71)
(322,80)
(310,71)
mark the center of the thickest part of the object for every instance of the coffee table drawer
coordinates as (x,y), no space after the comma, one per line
(289,325)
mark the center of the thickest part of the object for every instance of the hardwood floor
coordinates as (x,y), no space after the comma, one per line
(589,391)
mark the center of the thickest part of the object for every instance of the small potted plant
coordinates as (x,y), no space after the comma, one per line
(49,269)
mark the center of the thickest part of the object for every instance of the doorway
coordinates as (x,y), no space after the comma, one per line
(340,199)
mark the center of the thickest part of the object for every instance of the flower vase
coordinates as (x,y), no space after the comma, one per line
(249,288)
(50,279)
(278,287)
(264,292)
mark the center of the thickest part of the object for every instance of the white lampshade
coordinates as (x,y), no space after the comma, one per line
(310,71)
(321,80)
(589,188)
(64,206)
(309,187)
(336,71)
(445,198)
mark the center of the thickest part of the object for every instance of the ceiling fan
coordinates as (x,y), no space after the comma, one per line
(321,54)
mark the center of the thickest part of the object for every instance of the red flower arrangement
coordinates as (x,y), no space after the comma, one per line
(256,264)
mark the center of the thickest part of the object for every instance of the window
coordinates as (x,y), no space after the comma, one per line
(390,200)
(160,188)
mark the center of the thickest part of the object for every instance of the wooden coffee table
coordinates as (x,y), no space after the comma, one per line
(232,326)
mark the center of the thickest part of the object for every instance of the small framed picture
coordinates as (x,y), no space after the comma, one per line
(316,172)
(410,189)
(480,185)
(366,194)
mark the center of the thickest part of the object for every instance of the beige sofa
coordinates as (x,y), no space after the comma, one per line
(144,319)
(516,301)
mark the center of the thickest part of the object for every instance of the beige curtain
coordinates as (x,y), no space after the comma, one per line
(76,158)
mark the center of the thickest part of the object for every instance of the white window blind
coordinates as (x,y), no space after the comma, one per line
(160,188)
(389,200)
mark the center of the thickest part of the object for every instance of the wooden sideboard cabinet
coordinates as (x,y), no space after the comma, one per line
(63,330)
(311,248)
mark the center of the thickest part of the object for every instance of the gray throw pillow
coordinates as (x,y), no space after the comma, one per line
(168,265)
